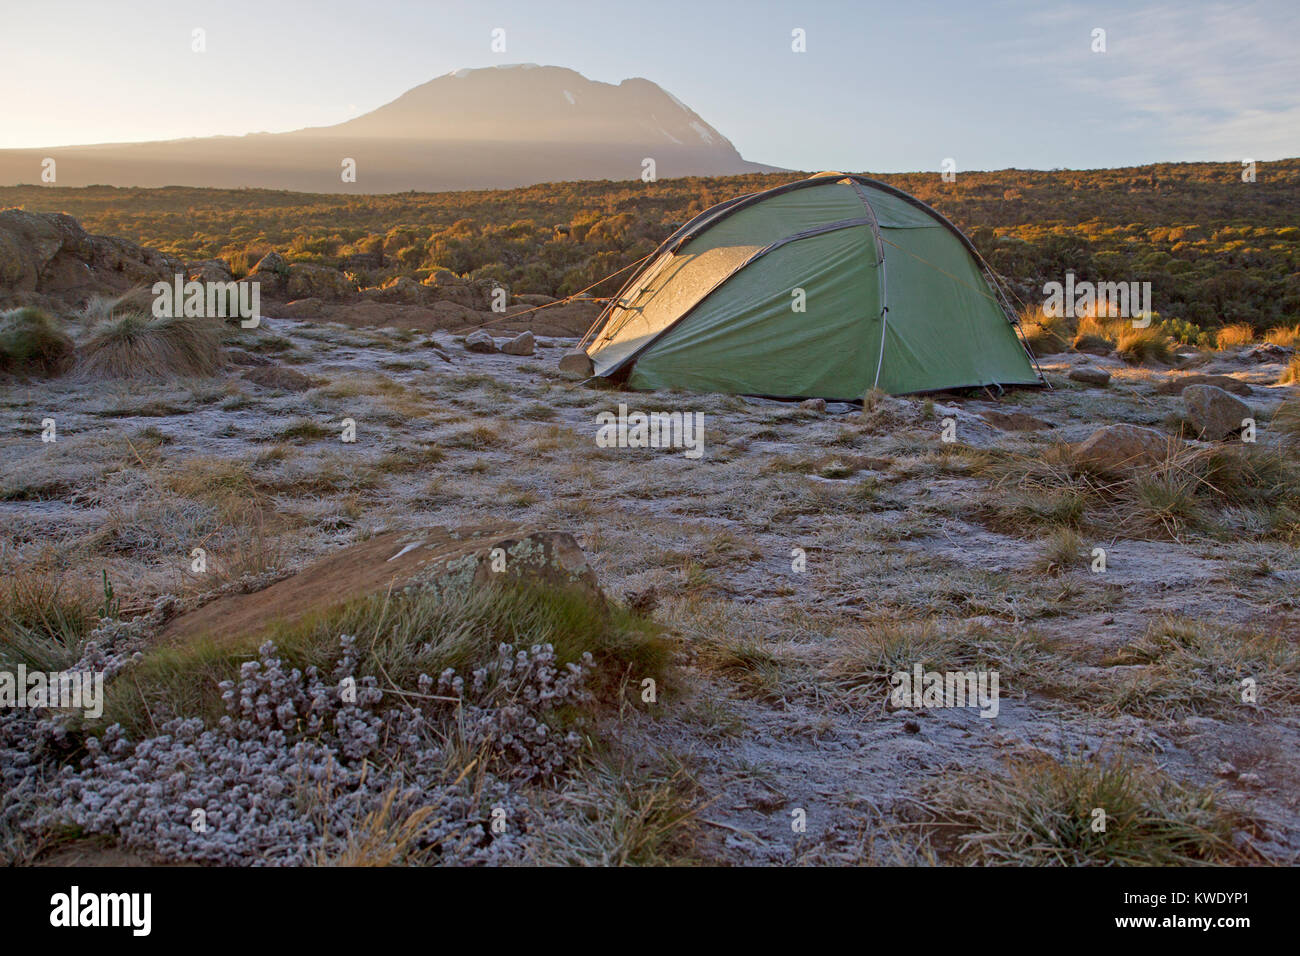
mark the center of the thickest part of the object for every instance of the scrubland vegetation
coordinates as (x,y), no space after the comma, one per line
(1216,250)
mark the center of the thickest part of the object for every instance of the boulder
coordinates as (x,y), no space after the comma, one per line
(1268,353)
(448,562)
(307,281)
(534,299)
(271,262)
(49,255)
(521,344)
(208,270)
(1213,412)
(579,362)
(302,309)
(1123,448)
(402,289)
(1090,375)
(460,293)
(480,341)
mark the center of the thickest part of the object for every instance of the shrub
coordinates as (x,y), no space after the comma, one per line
(1231,336)
(32,343)
(1145,345)
(1187,333)
(136,346)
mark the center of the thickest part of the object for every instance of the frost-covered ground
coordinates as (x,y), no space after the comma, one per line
(802,559)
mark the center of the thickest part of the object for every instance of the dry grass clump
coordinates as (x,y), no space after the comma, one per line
(1144,346)
(1287,420)
(102,308)
(31,343)
(1291,374)
(1095,333)
(1284,335)
(1062,551)
(1190,668)
(1233,336)
(1190,488)
(136,346)
(44,619)
(1044,334)
(1043,812)
(623,814)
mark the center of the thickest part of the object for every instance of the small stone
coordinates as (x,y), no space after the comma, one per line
(521,344)
(1090,375)
(579,362)
(480,341)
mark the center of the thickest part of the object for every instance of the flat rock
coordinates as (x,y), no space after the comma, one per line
(450,562)
(1174,386)
(480,341)
(1090,375)
(1267,353)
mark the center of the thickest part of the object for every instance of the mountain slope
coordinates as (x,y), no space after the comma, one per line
(497,127)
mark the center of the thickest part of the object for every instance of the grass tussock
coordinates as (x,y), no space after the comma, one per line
(32,344)
(617,813)
(1063,551)
(1287,418)
(1291,374)
(1190,489)
(1145,346)
(1182,667)
(1234,336)
(1284,335)
(136,346)
(1044,334)
(861,671)
(1096,333)
(45,620)
(1044,812)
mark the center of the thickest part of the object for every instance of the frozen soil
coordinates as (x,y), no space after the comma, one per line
(891,522)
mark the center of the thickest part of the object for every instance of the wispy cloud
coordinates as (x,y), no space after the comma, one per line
(1213,80)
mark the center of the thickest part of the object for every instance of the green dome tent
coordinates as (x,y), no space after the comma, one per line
(823,288)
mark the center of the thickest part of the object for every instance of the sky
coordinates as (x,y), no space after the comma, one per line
(888,87)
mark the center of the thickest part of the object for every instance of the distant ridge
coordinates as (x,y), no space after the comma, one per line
(490,128)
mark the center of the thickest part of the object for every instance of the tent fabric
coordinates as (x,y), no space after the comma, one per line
(715,308)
